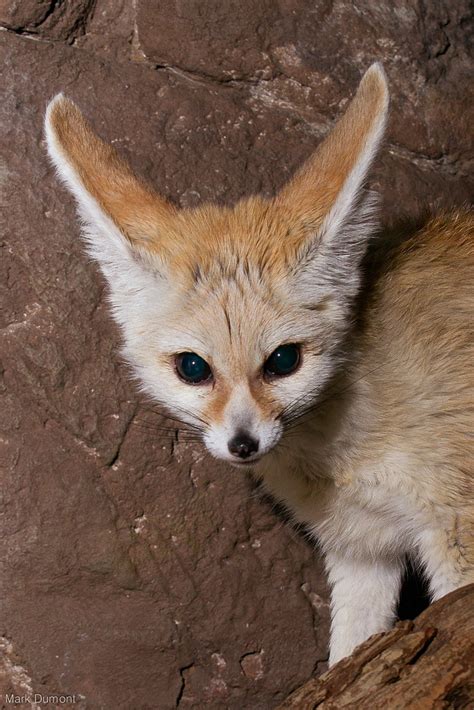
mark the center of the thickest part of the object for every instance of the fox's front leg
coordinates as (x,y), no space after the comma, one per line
(363,601)
(447,555)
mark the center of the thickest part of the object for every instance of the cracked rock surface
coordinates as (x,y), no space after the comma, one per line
(136,571)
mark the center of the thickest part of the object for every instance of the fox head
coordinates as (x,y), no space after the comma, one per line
(232,317)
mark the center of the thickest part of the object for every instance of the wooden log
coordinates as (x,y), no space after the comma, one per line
(425,664)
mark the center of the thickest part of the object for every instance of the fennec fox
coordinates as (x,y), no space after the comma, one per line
(353,408)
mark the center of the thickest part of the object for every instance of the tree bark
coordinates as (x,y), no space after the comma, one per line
(424,664)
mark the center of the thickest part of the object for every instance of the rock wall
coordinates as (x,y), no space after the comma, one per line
(136,572)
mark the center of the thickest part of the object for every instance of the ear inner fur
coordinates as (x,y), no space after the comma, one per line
(323,192)
(134,208)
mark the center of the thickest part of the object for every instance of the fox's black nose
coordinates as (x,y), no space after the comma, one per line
(242,446)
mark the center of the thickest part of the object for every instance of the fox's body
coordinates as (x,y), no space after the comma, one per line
(383,469)
(352,401)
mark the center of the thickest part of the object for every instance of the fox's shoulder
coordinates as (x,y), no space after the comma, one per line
(418,286)
(446,240)
(437,254)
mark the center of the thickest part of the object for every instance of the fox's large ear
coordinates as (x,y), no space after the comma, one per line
(325,199)
(122,216)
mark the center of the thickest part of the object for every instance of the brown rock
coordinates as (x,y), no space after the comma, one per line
(253,665)
(46,18)
(19,15)
(129,558)
(136,571)
(303,55)
(110,30)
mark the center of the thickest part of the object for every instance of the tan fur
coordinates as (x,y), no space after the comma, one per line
(325,173)
(408,396)
(420,329)
(131,204)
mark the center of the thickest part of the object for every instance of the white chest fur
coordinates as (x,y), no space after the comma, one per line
(362,512)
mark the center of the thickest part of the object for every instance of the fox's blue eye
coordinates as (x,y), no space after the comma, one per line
(283,361)
(192,368)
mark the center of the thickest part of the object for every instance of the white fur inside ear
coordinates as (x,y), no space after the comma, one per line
(348,198)
(105,242)
(123,266)
(138,283)
(330,272)
(330,264)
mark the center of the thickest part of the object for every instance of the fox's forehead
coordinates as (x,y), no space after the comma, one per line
(234,319)
(232,270)
(252,241)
